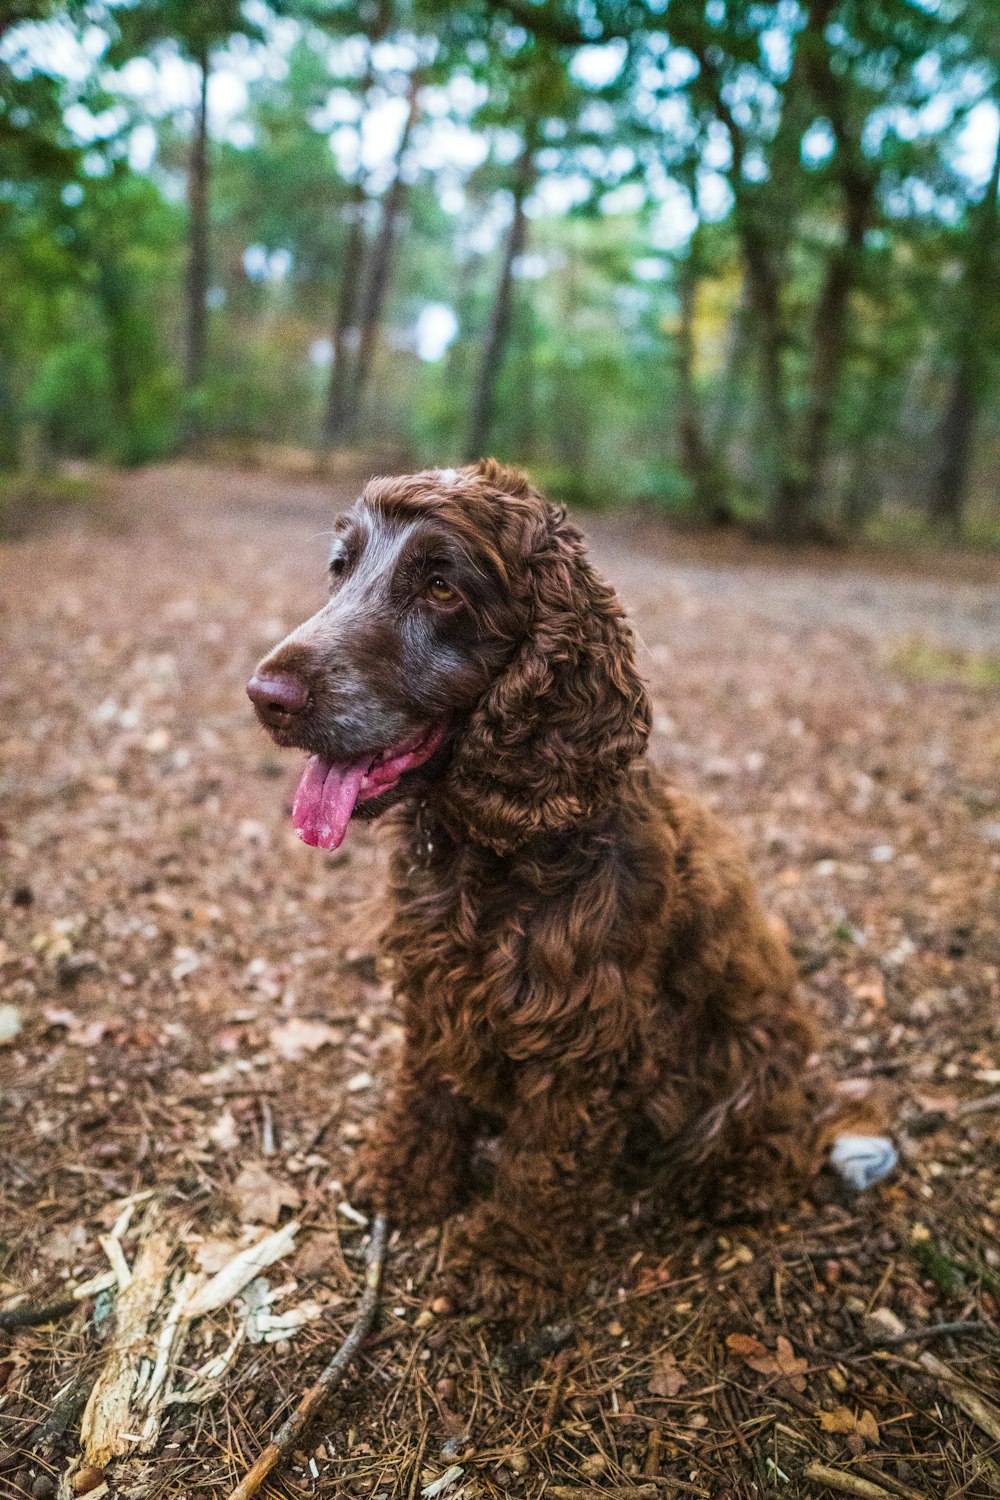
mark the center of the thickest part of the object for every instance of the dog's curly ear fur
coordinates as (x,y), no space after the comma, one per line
(556,731)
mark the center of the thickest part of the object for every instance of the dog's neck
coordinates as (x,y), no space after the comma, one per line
(432,830)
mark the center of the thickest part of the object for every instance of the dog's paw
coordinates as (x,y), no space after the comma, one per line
(498,1293)
(413,1200)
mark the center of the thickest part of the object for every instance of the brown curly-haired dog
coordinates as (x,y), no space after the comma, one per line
(581,960)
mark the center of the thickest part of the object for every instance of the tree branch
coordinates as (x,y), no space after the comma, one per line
(291,1430)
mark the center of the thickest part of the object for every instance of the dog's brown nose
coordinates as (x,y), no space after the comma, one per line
(277,696)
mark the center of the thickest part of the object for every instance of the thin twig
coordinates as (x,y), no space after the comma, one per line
(963,1395)
(975,1106)
(924,1121)
(844,1483)
(966,1328)
(33,1315)
(291,1430)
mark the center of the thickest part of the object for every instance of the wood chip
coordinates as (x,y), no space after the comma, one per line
(108,1429)
(985,1415)
(241,1270)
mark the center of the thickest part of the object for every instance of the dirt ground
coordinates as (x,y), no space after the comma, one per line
(193,1011)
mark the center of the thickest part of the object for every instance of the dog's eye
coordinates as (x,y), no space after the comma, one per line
(440,591)
(337,565)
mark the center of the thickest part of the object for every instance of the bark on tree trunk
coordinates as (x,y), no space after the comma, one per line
(337,415)
(785,511)
(197,271)
(857,184)
(498,328)
(951,482)
(380,268)
(979,282)
(760,245)
(707,481)
(829,337)
(726,416)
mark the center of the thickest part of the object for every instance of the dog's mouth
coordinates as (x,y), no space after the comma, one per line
(330,790)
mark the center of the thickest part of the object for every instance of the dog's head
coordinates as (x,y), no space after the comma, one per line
(467,647)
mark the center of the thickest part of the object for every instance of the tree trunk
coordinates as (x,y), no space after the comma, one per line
(380,269)
(858,185)
(979,291)
(498,328)
(829,337)
(338,405)
(785,511)
(725,419)
(951,483)
(197,272)
(708,487)
(761,240)
(337,415)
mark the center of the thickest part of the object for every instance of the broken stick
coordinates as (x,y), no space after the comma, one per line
(291,1429)
(29,1315)
(843,1482)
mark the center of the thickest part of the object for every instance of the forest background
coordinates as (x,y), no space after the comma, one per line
(736,261)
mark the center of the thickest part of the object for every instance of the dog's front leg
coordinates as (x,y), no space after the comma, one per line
(520,1254)
(415,1167)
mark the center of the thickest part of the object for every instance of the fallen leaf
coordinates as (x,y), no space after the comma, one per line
(746,1346)
(868,1428)
(849,1424)
(320,1255)
(666,1379)
(212,1254)
(65,1243)
(293,1039)
(840,1419)
(788,1363)
(261,1197)
(224,1133)
(783,1361)
(10,1023)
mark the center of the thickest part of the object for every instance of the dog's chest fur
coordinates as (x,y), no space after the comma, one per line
(516,961)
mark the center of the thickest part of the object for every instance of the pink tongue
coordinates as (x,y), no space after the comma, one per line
(325,801)
(328,793)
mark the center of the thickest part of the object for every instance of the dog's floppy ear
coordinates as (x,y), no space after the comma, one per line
(556,731)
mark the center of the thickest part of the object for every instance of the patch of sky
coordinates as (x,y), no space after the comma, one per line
(598,66)
(626,199)
(650,268)
(141,147)
(435,331)
(776,50)
(675,220)
(554,196)
(715,196)
(87,126)
(817,143)
(262,264)
(532,266)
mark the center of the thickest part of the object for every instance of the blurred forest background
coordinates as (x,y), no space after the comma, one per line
(736,259)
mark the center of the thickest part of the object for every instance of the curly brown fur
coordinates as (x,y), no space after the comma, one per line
(578,948)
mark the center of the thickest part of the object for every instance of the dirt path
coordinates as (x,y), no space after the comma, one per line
(164,935)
